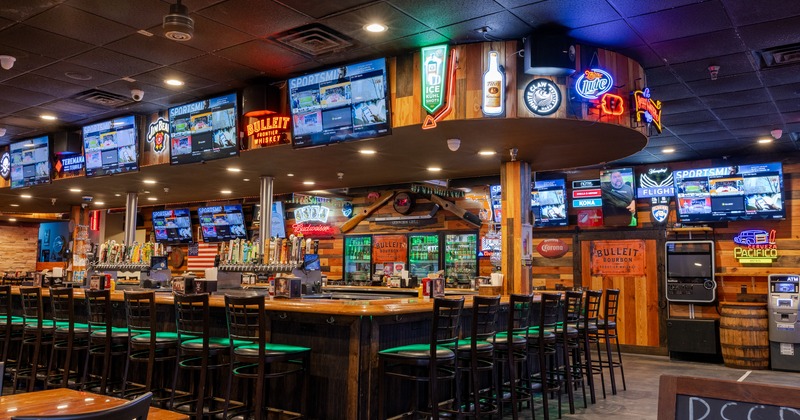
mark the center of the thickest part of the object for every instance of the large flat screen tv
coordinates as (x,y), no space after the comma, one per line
(30,162)
(173,226)
(618,193)
(341,104)
(548,203)
(111,147)
(204,130)
(728,193)
(222,223)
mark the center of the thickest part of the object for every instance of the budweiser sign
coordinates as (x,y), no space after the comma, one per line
(552,248)
(314,230)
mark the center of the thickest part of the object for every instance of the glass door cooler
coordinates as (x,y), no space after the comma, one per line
(460,259)
(357,260)
(423,254)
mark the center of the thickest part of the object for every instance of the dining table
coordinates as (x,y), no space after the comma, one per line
(64,401)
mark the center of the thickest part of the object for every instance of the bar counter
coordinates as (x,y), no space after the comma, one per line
(344,336)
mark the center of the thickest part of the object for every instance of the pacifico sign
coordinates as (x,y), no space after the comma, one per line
(755,246)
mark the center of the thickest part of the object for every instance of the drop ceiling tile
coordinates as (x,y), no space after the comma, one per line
(25,63)
(630,8)
(123,88)
(726,84)
(25,122)
(698,47)
(60,70)
(41,42)
(781,75)
(80,25)
(320,9)
(502,25)
(704,127)
(19,10)
(789,105)
(724,145)
(689,117)
(663,140)
(113,62)
(644,55)
(659,76)
(210,35)
(25,97)
(155,49)
(7,107)
(754,121)
(610,35)
(451,12)
(745,110)
(746,12)
(729,65)
(736,98)
(156,79)
(352,23)
(771,34)
(568,14)
(411,43)
(216,68)
(262,55)
(781,92)
(709,136)
(670,92)
(41,84)
(347,57)
(682,105)
(4,23)
(139,14)
(255,17)
(681,22)
(750,134)
(72,107)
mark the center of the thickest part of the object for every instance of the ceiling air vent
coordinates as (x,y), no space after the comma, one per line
(103,98)
(779,56)
(314,40)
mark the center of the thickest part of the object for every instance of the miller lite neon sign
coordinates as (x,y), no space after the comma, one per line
(594,83)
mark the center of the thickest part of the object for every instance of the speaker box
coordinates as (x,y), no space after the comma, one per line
(67,141)
(260,100)
(693,336)
(549,55)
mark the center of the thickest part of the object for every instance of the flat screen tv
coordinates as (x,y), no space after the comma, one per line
(341,104)
(173,226)
(618,193)
(222,223)
(30,162)
(111,147)
(204,130)
(729,193)
(548,203)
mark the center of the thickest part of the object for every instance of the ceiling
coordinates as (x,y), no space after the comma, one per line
(65,48)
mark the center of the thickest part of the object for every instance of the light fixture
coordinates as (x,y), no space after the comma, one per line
(149,181)
(7,61)
(375,27)
(14,205)
(75,189)
(117,195)
(246,180)
(2,131)
(487,153)
(48,117)
(764,141)
(453,144)
(289,174)
(668,150)
(152,198)
(366,152)
(174,82)
(713,71)
(308,182)
(178,26)
(231,169)
(26,196)
(12,220)
(434,169)
(777,133)
(226,192)
(99,203)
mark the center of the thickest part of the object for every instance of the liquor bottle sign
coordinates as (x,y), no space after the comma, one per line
(434,69)
(493,87)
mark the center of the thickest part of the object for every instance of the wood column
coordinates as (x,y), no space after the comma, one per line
(515,181)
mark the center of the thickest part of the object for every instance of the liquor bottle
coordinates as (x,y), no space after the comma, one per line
(493,87)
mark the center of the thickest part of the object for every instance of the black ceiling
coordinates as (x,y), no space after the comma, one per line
(64,48)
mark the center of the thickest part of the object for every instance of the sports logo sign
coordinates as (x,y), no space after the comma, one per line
(158,134)
(657,184)
(5,165)
(542,97)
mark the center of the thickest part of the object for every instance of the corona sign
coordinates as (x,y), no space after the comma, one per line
(647,110)
(755,246)
(594,83)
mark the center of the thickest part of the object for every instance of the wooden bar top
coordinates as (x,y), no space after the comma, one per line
(63,401)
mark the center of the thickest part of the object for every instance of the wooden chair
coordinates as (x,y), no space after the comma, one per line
(511,354)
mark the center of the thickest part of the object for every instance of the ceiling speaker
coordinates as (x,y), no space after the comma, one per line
(549,55)
(178,26)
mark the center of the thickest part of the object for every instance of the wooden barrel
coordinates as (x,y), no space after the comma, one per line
(744,335)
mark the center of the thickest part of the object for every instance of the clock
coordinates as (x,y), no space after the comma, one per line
(58,245)
(403,203)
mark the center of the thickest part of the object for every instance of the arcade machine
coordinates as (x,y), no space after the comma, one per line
(784,327)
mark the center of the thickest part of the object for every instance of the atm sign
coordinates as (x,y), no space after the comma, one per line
(586,193)
(591,202)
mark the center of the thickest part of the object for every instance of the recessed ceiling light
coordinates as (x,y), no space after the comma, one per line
(366,152)
(226,191)
(149,181)
(99,203)
(117,195)
(152,198)
(765,140)
(231,169)
(246,180)
(668,150)
(12,220)
(487,153)
(375,27)
(434,168)
(26,196)
(308,182)
(174,82)
(48,117)
(75,189)
(14,205)
(289,174)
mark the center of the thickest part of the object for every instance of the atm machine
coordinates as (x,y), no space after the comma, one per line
(784,326)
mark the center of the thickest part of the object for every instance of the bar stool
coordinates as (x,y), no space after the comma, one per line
(201,354)
(147,345)
(475,355)
(37,338)
(260,360)
(587,331)
(542,344)
(429,363)
(11,328)
(570,369)
(69,338)
(106,342)
(607,330)
(511,355)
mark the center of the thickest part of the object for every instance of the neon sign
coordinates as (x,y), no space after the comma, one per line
(756,246)
(647,108)
(269,131)
(432,118)
(311,214)
(5,165)
(593,83)
(434,68)
(612,104)
(158,134)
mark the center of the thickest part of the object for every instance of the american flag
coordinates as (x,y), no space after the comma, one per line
(204,258)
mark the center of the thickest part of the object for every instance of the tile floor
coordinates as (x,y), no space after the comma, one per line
(640,401)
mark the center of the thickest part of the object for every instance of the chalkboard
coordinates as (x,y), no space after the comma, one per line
(692,398)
